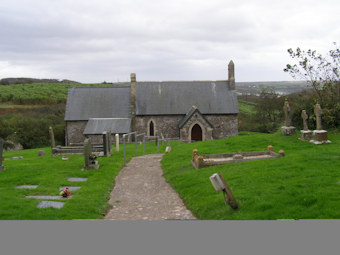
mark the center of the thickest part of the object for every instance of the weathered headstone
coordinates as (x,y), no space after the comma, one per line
(90,162)
(106,144)
(77,179)
(26,187)
(320,136)
(46,204)
(41,153)
(306,134)
(117,142)
(1,149)
(167,149)
(288,129)
(109,136)
(52,137)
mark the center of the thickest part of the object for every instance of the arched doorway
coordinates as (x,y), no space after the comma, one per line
(196,133)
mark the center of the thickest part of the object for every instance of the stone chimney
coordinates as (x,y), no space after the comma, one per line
(133,100)
(231,75)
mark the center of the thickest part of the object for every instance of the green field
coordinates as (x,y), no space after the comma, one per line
(305,184)
(246,107)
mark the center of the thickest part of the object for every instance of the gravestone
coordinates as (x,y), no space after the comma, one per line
(1,149)
(71,188)
(288,129)
(41,153)
(106,144)
(117,142)
(46,204)
(52,137)
(90,162)
(109,137)
(77,179)
(320,136)
(305,134)
(26,187)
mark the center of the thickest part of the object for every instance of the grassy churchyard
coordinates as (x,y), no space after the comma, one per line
(305,184)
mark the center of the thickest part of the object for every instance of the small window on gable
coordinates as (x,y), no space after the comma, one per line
(151,128)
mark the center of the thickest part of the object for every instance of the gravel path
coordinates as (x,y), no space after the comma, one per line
(141,193)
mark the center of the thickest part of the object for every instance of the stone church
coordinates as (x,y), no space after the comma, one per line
(191,110)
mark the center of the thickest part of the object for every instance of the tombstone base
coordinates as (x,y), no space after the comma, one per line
(306,135)
(320,137)
(2,168)
(288,131)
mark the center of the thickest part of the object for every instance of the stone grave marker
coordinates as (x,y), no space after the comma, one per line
(1,149)
(288,129)
(320,136)
(50,197)
(117,142)
(77,179)
(109,137)
(106,144)
(90,161)
(52,137)
(306,134)
(46,204)
(41,153)
(26,187)
(71,188)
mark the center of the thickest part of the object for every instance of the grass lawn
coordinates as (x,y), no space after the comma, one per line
(50,173)
(305,184)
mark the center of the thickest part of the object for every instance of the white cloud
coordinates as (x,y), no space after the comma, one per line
(93,41)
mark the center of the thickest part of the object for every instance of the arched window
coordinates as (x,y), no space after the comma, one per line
(151,128)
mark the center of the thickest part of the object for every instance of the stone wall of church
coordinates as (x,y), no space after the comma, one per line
(224,125)
(74,132)
(165,124)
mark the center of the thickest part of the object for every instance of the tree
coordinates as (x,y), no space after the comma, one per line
(323,73)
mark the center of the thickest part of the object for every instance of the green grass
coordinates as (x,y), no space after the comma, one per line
(305,184)
(50,173)
(247,107)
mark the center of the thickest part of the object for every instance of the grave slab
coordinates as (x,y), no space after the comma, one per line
(46,204)
(49,197)
(27,187)
(69,188)
(76,179)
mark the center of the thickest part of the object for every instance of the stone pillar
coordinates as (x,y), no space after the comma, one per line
(1,149)
(117,142)
(52,137)
(133,84)
(231,75)
(106,144)
(109,136)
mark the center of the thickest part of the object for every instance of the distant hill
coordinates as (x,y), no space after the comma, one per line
(9,81)
(280,87)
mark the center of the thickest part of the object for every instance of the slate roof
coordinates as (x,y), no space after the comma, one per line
(167,98)
(96,126)
(97,102)
(188,116)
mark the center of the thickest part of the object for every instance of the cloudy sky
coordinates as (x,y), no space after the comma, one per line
(106,40)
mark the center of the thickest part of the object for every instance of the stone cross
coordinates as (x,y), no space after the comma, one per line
(117,142)
(304,117)
(286,109)
(318,112)
(87,152)
(52,137)
(1,148)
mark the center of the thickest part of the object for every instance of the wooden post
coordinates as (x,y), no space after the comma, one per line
(230,198)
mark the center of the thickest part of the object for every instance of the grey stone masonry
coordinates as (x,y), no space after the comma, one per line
(1,149)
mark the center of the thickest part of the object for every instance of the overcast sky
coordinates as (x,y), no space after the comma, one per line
(106,40)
